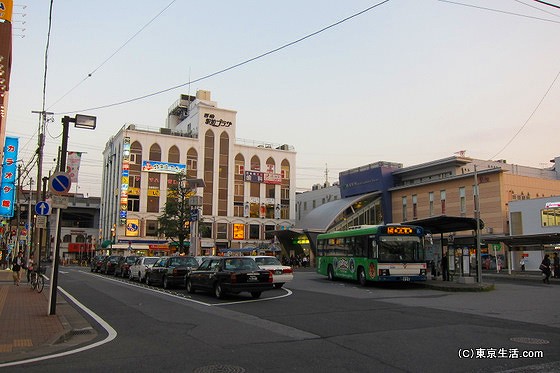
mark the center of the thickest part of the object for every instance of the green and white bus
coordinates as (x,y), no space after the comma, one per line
(373,253)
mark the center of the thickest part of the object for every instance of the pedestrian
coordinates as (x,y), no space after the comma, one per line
(30,263)
(545,268)
(522,264)
(556,265)
(445,267)
(16,267)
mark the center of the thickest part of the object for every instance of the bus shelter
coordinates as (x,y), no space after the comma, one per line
(459,255)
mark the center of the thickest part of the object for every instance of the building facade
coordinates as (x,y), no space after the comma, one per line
(448,187)
(249,186)
(536,225)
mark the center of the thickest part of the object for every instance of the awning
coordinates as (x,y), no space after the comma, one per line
(105,244)
(446,224)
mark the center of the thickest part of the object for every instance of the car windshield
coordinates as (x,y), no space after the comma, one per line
(240,264)
(149,261)
(184,261)
(268,261)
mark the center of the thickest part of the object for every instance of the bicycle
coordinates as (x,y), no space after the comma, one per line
(37,280)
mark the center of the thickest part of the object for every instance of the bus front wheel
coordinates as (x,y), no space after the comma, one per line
(330,273)
(362,276)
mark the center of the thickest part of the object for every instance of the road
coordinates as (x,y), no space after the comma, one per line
(315,326)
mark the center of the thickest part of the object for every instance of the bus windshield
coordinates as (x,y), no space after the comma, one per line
(400,249)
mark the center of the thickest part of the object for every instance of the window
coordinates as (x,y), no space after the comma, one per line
(254,230)
(550,217)
(431,199)
(462,201)
(404,217)
(133,203)
(442,195)
(414,206)
(151,227)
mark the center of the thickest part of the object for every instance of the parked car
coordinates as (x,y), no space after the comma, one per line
(109,264)
(280,273)
(123,267)
(170,271)
(234,275)
(95,264)
(138,269)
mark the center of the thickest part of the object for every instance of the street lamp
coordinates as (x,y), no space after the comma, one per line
(80,121)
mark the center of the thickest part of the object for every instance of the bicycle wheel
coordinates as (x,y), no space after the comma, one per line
(33,281)
(40,283)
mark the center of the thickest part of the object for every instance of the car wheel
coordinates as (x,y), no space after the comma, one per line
(330,273)
(218,291)
(278,286)
(189,286)
(148,280)
(256,294)
(165,283)
(362,276)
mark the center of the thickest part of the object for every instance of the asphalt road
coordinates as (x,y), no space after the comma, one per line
(315,326)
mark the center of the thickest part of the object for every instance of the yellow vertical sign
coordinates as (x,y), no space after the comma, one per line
(6,8)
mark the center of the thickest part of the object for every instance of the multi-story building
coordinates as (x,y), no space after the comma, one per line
(384,192)
(249,186)
(534,230)
(448,187)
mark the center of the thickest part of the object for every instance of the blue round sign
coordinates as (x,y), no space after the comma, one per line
(60,183)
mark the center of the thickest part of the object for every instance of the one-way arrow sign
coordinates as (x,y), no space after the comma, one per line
(42,208)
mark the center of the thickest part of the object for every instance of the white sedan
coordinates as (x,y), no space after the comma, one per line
(280,273)
(138,269)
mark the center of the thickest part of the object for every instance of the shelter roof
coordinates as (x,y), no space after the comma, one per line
(447,224)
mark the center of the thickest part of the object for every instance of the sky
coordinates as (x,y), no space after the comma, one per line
(407,81)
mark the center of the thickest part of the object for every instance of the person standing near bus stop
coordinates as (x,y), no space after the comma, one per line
(445,267)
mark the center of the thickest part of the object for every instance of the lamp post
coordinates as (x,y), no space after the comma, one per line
(80,121)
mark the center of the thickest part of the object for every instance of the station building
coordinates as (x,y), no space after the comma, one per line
(384,192)
(249,186)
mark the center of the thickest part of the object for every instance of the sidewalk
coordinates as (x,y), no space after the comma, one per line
(27,329)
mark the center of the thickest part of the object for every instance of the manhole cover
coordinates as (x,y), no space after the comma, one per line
(219,369)
(530,341)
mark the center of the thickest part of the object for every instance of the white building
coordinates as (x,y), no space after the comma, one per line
(249,185)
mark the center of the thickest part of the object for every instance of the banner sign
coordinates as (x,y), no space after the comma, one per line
(7,187)
(163,167)
(73,165)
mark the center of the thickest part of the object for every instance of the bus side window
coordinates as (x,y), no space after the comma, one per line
(374,248)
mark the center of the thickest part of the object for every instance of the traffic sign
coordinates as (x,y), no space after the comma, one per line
(60,183)
(43,208)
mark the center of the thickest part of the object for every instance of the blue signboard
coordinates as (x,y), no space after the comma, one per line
(7,186)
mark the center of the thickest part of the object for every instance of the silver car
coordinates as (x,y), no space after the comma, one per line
(138,269)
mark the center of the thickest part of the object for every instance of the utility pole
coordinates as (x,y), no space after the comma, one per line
(41,144)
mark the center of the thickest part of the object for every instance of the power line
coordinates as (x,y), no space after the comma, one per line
(498,11)
(545,3)
(529,118)
(230,67)
(113,54)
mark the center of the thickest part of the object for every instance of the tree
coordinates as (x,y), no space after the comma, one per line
(174,222)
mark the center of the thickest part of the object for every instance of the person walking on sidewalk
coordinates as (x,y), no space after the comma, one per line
(556,265)
(545,268)
(16,267)
(30,263)
(522,264)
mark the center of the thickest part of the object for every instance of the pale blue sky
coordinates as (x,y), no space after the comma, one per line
(409,81)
